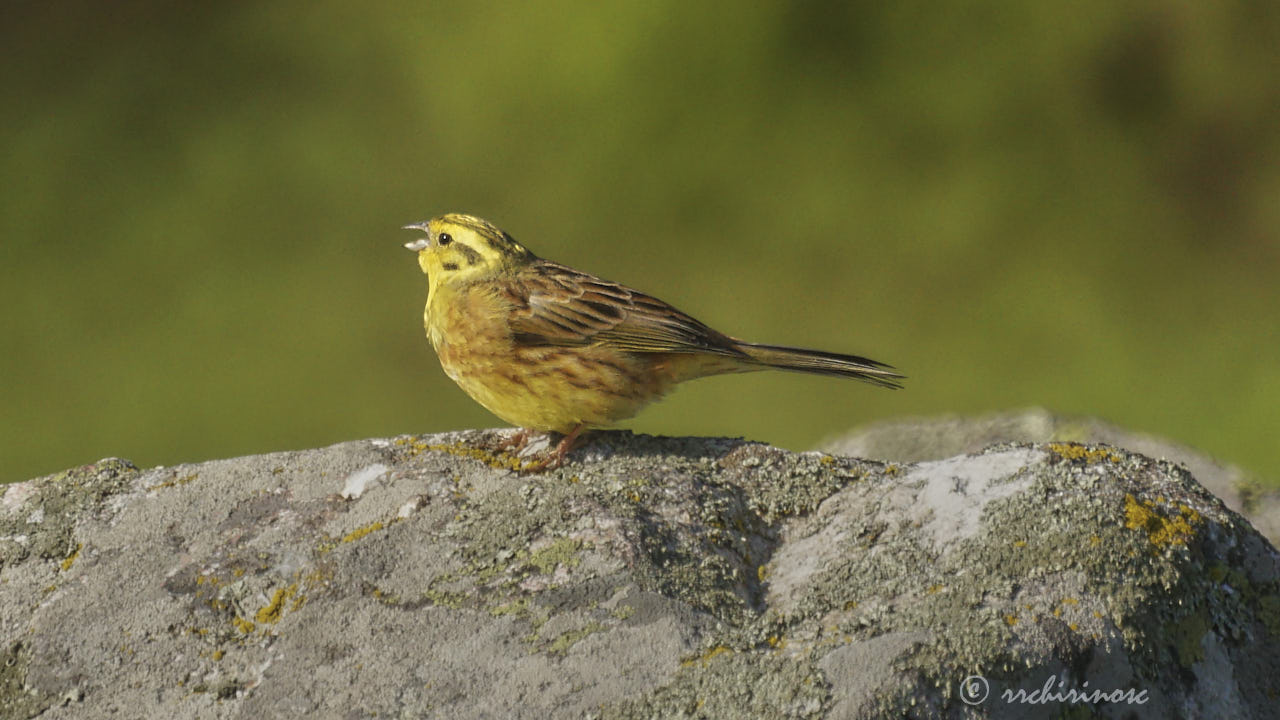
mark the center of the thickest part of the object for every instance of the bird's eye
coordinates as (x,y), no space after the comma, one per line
(444,239)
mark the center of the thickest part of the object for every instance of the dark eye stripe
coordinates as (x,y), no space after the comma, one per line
(500,242)
(470,254)
(449,266)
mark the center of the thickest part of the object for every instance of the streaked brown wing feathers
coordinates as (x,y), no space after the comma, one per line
(557,305)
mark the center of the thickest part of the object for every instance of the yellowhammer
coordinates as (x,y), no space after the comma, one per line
(546,347)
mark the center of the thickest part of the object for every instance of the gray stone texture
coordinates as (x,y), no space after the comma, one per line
(910,440)
(648,578)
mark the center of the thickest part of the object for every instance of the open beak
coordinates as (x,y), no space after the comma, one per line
(420,243)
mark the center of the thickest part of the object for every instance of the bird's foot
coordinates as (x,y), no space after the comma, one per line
(555,457)
(515,442)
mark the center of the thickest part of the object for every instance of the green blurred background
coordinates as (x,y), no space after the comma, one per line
(1068,205)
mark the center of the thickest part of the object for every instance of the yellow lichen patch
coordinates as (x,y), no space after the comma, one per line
(384,597)
(762,572)
(217,655)
(244,626)
(1011,619)
(501,460)
(1076,451)
(360,532)
(274,610)
(705,658)
(568,639)
(1019,543)
(518,608)
(415,446)
(562,551)
(1162,530)
(71,559)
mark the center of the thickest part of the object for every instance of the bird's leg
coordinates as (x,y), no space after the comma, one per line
(555,458)
(568,443)
(516,442)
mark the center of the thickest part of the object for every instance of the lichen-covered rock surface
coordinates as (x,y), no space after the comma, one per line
(647,578)
(921,439)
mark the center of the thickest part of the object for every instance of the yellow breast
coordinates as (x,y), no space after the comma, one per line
(537,387)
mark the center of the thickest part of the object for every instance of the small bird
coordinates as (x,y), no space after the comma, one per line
(549,348)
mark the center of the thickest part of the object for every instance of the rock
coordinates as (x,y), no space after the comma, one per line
(649,577)
(935,438)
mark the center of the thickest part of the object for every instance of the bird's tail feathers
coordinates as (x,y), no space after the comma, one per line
(823,363)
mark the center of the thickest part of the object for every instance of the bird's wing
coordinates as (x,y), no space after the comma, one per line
(557,305)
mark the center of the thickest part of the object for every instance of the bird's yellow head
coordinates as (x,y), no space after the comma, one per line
(463,247)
